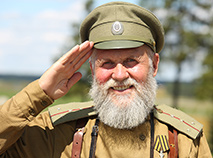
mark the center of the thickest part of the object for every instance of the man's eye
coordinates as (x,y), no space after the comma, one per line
(108,65)
(130,63)
(131,60)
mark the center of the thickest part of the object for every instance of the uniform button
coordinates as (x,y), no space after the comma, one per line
(44,103)
(32,112)
(142,137)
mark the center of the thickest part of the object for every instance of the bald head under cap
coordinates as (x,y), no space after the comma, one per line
(120,25)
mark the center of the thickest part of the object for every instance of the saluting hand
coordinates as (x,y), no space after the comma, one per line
(62,75)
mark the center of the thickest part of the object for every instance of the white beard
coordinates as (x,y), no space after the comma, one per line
(124,111)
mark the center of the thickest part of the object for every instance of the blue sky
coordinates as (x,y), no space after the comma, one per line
(33,32)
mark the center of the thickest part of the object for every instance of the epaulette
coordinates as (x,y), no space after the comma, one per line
(179,120)
(71,111)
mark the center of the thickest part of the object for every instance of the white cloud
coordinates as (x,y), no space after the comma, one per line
(29,42)
(10,15)
(6,36)
(70,14)
(1,53)
(53,37)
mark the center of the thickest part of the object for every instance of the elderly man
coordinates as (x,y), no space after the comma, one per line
(122,120)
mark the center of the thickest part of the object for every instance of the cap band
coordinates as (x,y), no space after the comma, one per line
(118,44)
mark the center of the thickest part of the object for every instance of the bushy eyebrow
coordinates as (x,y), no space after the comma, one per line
(108,59)
(102,60)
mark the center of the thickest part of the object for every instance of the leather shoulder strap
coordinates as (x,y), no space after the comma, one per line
(78,137)
(173,142)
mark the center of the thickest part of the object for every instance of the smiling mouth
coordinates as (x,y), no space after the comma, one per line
(121,88)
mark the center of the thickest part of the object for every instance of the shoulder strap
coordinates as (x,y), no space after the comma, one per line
(78,137)
(71,112)
(173,142)
(178,120)
(94,136)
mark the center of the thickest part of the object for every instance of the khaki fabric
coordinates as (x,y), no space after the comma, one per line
(71,111)
(176,118)
(25,135)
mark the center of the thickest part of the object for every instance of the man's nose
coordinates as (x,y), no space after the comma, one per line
(120,72)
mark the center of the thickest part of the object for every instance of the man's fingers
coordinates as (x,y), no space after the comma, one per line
(74,79)
(76,53)
(66,57)
(76,66)
(85,46)
(67,65)
(80,59)
(84,49)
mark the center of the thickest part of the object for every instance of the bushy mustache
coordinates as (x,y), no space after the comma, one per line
(129,82)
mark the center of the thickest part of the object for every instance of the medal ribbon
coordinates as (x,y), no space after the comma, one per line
(161,143)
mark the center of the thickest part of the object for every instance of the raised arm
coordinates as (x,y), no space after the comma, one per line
(20,110)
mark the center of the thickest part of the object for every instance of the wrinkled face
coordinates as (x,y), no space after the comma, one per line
(122,64)
(123,87)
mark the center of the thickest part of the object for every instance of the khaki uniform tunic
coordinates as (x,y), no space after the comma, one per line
(25,134)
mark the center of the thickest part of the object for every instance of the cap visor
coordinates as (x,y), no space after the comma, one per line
(118,44)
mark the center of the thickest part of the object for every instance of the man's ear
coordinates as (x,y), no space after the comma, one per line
(155,63)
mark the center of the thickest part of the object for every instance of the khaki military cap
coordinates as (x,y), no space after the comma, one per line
(120,25)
